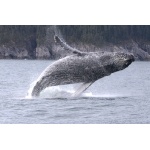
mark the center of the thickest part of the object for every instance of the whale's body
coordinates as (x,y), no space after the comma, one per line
(83,68)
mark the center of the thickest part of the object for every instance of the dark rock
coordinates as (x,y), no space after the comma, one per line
(44,47)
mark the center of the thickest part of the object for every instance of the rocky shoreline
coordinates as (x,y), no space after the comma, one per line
(141,52)
(48,49)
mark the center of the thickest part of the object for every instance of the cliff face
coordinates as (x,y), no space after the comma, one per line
(39,44)
(35,45)
(17,42)
(13,50)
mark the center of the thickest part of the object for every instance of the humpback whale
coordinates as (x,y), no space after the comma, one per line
(81,67)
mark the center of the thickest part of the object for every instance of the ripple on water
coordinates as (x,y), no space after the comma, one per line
(114,99)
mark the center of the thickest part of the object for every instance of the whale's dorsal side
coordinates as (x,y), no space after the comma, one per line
(67,47)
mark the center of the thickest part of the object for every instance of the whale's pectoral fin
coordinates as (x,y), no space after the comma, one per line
(67,47)
(82,88)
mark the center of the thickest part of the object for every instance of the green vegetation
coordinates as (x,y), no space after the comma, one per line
(23,41)
(22,33)
(105,33)
(73,33)
(16,33)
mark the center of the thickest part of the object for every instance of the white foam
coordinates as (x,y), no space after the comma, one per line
(66,91)
(56,92)
(29,93)
(88,94)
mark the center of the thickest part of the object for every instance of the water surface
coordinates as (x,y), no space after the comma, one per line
(122,97)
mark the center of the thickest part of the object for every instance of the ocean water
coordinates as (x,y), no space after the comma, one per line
(121,98)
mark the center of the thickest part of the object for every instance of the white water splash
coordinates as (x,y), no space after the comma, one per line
(56,92)
(66,91)
(61,91)
(29,93)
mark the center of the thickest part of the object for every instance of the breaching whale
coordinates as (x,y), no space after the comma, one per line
(81,67)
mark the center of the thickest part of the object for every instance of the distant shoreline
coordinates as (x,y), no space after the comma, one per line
(37,42)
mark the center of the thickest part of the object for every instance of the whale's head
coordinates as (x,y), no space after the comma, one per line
(122,60)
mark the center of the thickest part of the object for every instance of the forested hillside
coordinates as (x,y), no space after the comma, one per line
(105,33)
(36,42)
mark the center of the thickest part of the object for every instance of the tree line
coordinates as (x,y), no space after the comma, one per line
(95,34)
(101,34)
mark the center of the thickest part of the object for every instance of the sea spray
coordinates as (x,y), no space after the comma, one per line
(29,93)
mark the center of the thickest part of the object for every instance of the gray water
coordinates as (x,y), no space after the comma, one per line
(122,97)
